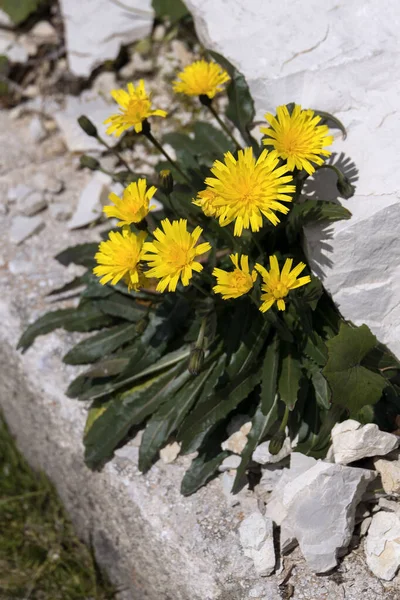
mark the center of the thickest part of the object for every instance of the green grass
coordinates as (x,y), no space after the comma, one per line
(40,556)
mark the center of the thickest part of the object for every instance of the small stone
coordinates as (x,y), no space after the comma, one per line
(236,423)
(32,204)
(18,193)
(352,441)
(137,64)
(181,52)
(256,537)
(227,480)
(230,462)
(47,183)
(3,209)
(270,477)
(263,456)
(390,475)
(44,33)
(246,428)
(389,505)
(91,201)
(170,452)
(104,83)
(365,526)
(60,211)
(382,547)
(11,47)
(159,33)
(235,443)
(23,227)
(19,266)
(37,131)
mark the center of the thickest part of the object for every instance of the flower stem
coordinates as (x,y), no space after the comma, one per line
(285,419)
(115,152)
(159,147)
(198,287)
(223,126)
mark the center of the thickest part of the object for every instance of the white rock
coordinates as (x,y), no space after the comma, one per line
(18,193)
(263,456)
(271,475)
(355,45)
(46,183)
(19,266)
(91,105)
(136,65)
(60,211)
(104,83)
(389,505)
(256,537)
(37,131)
(236,423)
(170,452)
(365,526)
(246,428)
(382,547)
(159,33)
(3,209)
(23,227)
(11,47)
(230,462)
(91,201)
(390,475)
(352,441)
(32,204)
(44,33)
(235,443)
(96,29)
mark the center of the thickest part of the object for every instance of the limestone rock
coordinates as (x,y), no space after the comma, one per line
(271,475)
(96,29)
(104,83)
(11,47)
(237,441)
(23,227)
(353,44)
(263,456)
(170,452)
(390,474)
(352,441)
(18,193)
(91,201)
(382,547)
(32,204)
(43,33)
(256,537)
(389,505)
(37,131)
(230,462)
(47,183)
(60,211)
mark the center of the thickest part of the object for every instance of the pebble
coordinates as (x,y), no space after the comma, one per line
(382,546)
(60,211)
(352,441)
(263,456)
(23,227)
(390,475)
(257,540)
(230,462)
(37,131)
(18,193)
(32,204)
(170,452)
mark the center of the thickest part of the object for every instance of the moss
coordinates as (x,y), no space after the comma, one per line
(40,556)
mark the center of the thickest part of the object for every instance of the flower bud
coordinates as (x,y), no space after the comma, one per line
(89,162)
(196,361)
(345,188)
(276,442)
(87,126)
(205,100)
(166,181)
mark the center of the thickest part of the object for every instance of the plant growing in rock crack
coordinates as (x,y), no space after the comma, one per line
(207,308)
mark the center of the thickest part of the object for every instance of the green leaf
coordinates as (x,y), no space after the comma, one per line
(261,425)
(101,344)
(315,348)
(200,471)
(94,289)
(240,108)
(121,306)
(269,376)
(311,211)
(254,334)
(82,254)
(174,10)
(169,417)
(85,318)
(353,386)
(131,408)
(211,141)
(103,371)
(331,121)
(322,390)
(208,413)
(19,10)
(382,359)
(289,377)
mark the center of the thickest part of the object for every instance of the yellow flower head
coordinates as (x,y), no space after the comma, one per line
(135,107)
(246,189)
(232,284)
(277,285)
(206,200)
(201,78)
(297,137)
(172,255)
(134,204)
(118,258)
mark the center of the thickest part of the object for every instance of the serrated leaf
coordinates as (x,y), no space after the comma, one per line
(200,471)
(269,376)
(316,349)
(101,344)
(331,121)
(322,390)
(240,109)
(261,425)
(85,318)
(353,386)
(207,414)
(82,254)
(289,376)
(169,417)
(131,408)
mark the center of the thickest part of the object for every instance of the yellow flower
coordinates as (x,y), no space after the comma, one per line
(246,189)
(135,107)
(205,199)
(201,78)
(134,204)
(297,137)
(277,285)
(172,254)
(232,284)
(118,258)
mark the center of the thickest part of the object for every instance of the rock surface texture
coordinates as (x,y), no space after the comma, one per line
(96,30)
(352,441)
(341,58)
(382,546)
